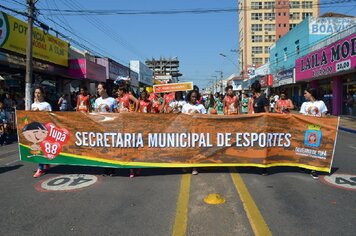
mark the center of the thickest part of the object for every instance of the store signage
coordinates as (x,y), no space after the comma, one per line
(329,25)
(45,46)
(283,78)
(85,69)
(337,57)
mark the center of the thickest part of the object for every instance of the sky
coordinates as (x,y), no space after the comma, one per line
(196,39)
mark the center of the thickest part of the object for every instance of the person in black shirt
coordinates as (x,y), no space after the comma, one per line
(260,103)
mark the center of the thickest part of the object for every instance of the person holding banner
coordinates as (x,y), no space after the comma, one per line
(313,107)
(231,102)
(105,103)
(177,104)
(260,105)
(219,105)
(40,105)
(168,98)
(145,104)
(83,100)
(284,104)
(193,106)
(124,98)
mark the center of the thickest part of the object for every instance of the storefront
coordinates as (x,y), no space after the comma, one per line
(285,80)
(87,72)
(332,70)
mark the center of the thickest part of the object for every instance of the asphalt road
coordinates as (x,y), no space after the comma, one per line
(169,201)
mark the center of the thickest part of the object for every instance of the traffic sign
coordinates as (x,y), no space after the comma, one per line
(67,182)
(339,180)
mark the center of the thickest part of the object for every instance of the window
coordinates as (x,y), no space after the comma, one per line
(256,50)
(306,14)
(257,60)
(285,13)
(279,25)
(297,48)
(294,4)
(270,38)
(279,14)
(270,27)
(307,5)
(294,16)
(284,25)
(266,49)
(266,59)
(256,38)
(270,16)
(279,36)
(256,27)
(256,5)
(285,54)
(291,26)
(256,16)
(276,58)
(269,5)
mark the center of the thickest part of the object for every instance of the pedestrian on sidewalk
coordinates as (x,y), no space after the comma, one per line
(349,104)
(40,105)
(313,107)
(63,102)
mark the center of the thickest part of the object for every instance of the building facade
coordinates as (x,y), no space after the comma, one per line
(263,22)
(165,69)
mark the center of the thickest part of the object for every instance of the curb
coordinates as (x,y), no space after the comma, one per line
(347,129)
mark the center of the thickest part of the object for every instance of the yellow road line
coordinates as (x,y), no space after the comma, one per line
(180,224)
(254,215)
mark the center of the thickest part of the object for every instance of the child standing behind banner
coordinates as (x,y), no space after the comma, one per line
(193,106)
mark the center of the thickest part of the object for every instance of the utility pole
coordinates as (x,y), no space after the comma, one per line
(221,80)
(28,79)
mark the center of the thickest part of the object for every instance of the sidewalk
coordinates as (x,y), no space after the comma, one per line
(348,124)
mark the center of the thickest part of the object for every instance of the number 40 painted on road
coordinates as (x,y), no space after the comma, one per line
(344,181)
(68,182)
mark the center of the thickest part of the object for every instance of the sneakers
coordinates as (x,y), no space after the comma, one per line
(195,172)
(132,174)
(39,173)
(314,175)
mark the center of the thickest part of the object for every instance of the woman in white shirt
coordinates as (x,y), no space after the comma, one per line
(193,106)
(313,107)
(40,105)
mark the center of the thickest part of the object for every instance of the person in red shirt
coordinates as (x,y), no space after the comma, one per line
(284,104)
(157,102)
(124,98)
(145,104)
(83,100)
(231,102)
(168,98)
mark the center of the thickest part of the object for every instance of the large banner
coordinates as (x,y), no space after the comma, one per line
(45,46)
(171,140)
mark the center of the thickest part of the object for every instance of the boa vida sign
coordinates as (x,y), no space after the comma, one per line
(45,46)
(176,140)
(337,57)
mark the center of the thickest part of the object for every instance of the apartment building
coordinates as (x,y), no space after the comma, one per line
(263,22)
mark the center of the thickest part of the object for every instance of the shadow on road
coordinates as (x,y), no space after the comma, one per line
(4,169)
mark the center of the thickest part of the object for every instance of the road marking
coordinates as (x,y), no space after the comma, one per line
(11,162)
(340,180)
(67,182)
(254,215)
(180,223)
(214,199)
